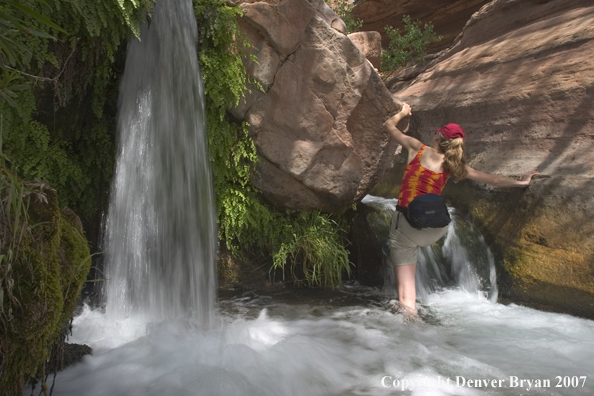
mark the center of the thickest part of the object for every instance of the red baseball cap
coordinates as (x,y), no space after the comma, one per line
(452,131)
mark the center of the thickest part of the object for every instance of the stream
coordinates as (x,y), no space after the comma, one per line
(164,332)
(345,342)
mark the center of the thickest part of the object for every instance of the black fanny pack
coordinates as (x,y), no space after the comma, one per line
(426,211)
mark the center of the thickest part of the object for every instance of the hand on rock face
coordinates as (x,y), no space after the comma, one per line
(527,177)
(406,110)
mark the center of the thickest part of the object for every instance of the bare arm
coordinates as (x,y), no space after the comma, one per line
(408,142)
(497,180)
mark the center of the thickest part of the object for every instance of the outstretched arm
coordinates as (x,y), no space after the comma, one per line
(408,142)
(499,181)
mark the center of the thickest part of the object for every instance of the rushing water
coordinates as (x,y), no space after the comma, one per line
(162,335)
(338,343)
(345,342)
(161,227)
(462,259)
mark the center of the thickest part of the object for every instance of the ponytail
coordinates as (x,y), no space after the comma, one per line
(454,161)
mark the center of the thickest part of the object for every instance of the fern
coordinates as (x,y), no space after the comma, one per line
(65,133)
(308,240)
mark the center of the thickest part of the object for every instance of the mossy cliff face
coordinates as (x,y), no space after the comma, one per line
(40,285)
(545,243)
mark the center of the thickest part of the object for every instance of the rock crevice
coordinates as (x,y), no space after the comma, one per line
(318,148)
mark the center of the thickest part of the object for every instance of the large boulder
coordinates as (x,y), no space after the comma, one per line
(370,44)
(317,124)
(447,16)
(520,81)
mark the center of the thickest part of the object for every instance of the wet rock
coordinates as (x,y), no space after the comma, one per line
(520,81)
(47,266)
(68,355)
(369,233)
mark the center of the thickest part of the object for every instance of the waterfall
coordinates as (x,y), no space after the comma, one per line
(344,342)
(160,236)
(462,259)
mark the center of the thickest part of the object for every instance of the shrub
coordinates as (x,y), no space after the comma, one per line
(412,45)
(343,9)
(245,222)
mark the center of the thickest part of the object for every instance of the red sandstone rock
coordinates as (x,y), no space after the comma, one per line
(520,81)
(447,16)
(318,125)
(519,78)
(370,44)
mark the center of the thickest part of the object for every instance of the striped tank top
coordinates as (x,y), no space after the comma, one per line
(419,180)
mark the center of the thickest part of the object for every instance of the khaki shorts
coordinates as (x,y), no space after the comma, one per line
(405,240)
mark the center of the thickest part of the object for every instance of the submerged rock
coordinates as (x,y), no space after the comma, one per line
(318,124)
(520,81)
(70,354)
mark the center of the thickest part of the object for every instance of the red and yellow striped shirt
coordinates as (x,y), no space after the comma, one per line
(419,180)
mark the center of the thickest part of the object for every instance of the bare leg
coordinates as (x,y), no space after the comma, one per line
(405,282)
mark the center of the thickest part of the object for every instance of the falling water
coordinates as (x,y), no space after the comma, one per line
(345,342)
(160,238)
(462,259)
(161,230)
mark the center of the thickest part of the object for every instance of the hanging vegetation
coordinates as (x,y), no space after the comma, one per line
(44,255)
(60,126)
(44,262)
(311,241)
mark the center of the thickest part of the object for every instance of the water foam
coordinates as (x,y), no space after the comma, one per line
(345,350)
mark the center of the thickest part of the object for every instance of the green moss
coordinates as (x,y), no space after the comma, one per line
(245,222)
(62,128)
(46,267)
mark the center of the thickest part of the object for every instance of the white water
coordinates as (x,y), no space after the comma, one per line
(268,346)
(161,227)
(462,260)
(344,343)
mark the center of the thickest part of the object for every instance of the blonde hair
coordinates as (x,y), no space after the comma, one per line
(454,161)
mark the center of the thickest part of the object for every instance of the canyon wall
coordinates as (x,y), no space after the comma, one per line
(447,16)
(520,81)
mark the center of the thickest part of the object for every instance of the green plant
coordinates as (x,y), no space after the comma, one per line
(12,24)
(315,251)
(44,257)
(344,9)
(43,267)
(245,222)
(14,20)
(63,130)
(412,45)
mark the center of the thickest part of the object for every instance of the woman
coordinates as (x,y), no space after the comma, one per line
(428,169)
